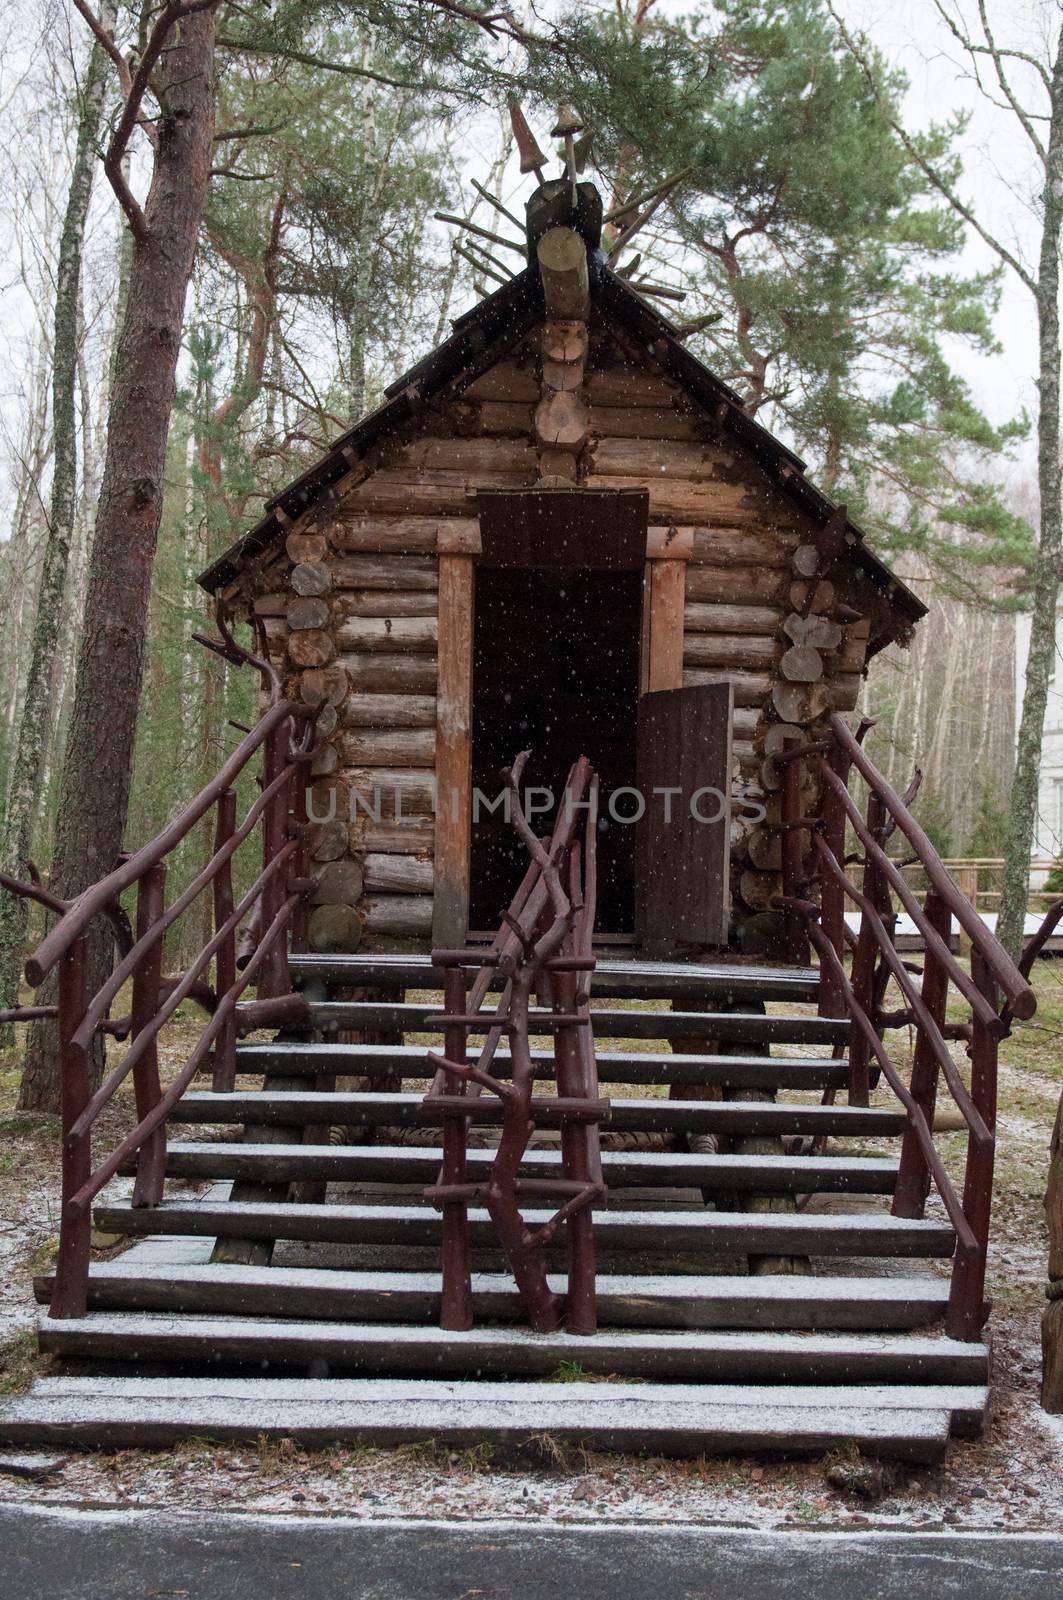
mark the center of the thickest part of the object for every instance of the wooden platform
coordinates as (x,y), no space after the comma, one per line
(754,1294)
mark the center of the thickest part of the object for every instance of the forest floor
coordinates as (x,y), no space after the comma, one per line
(1009,1479)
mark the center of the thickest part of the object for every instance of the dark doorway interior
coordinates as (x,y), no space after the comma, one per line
(555,671)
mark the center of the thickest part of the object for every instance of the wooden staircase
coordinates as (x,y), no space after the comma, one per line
(754,1291)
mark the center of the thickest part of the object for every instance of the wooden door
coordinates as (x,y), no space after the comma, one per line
(684,777)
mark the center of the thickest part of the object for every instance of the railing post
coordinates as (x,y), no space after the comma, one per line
(581,1313)
(832,895)
(224,1058)
(70,1292)
(151,1162)
(456,1307)
(863,973)
(274,978)
(913,1181)
(297,825)
(794,935)
(967,1309)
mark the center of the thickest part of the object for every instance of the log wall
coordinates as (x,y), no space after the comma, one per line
(351,607)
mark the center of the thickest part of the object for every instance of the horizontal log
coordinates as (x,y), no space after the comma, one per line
(845,690)
(656,458)
(731,505)
(669,544)
(768,546)
(400,574)
(401,490)
(397,534)
(561,421)
(401,747)
(729,650)
(270,605)
(402,914)
(311,648)
(646,422)
(565,340)
(389,711)
(385,603)
(701,617)
(395,838)
(750,688)
(472,456)
(390,794)
(339,882)
(744,720)
(801,664)
(311,578)
(306,546)
(324,684)
(631,386)
(334,928)
(398,874)
(307,611)
(727,584)
(414,634)
(326,841)
(390,674)
(512,418)
(505,381)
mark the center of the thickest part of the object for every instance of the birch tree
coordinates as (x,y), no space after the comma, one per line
(34,712)
(1028,87)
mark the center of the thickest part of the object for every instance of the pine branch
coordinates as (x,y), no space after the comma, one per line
(926,167)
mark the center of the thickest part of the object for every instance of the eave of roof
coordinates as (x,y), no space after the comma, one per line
(503,318)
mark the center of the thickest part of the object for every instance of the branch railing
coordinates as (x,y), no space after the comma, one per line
(544,949)
(817,888)
(272,907)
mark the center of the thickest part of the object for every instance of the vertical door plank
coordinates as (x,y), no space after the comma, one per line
(453,750)
(684,745)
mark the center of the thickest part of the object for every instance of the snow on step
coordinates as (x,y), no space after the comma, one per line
(902,1421)
(650,1301)
(801,1233)
(289,1106)
(678,1354)
(622,1168)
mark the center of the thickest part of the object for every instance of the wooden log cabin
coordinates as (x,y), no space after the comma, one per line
(555,522)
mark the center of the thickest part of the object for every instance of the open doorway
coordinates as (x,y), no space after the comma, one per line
(555,671)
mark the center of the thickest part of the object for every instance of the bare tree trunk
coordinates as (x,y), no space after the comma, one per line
(1015,886)
(25,783)
(94,795)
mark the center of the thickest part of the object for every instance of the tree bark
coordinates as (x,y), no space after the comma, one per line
(94,794)
(25,781)
(1023,812)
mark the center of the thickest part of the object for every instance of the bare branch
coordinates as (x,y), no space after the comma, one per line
(930,172)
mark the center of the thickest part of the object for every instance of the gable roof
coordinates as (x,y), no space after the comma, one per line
(481,337)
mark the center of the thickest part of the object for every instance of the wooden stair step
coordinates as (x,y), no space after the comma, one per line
(378,1109)
(736,1026)
(660,1301)
(619,979)
(739,1232)
(378,1347)
(308,1059)
(623,1169)
(905,1422)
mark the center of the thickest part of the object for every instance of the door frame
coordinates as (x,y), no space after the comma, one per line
(667,552)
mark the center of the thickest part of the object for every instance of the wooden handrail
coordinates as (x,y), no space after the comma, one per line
(1021,998)
(963,982)
(100,895)
(949,1198)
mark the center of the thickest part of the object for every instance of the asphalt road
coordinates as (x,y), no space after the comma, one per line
(48,1554)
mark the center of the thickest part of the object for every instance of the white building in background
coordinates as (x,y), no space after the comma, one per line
(1048,837)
